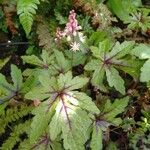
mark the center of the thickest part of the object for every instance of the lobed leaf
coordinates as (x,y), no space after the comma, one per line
(111,110)
(114,79)
(34,60)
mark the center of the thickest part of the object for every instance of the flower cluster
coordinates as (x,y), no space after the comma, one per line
(71,30)
(72,25)
(59,34)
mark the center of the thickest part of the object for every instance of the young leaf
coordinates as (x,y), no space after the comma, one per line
(104,46)
(97,37)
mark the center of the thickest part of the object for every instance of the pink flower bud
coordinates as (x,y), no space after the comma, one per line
(59,34)
(72,25)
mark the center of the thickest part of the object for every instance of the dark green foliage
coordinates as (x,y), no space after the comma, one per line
(12,115)
(15,135)
(26,9)
(11,90)
(81,81)
(130,12)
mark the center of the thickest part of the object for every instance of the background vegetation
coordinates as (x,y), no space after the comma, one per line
(75,74)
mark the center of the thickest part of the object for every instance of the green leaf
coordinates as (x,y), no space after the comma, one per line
(86,102)
(34,60)
(2,108)
(29,83)
(110,111)
(38,92)
(96,52)
(4,84)
(97,37)
(93,65)
(63,63)
(70,117)
(26,10)
(76,58)
(134,67)
(55,126)
(108,57)
(74,132)
(38,126)
(119,9)
(112,145)
(62,19)
(137,3)
(16,76)
(103,47)
(142,51)
(3,62)
(97,137)
(46,145)
(49,83)
(77,83)
(114,79)
(40,121)
(64,79)
(98,77)
(72,84)
(53,64)
(74,124)
(120,50)
(145,72)
(56,145)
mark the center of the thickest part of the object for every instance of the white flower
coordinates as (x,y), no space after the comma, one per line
(81,37)
(68,38)
(75,46)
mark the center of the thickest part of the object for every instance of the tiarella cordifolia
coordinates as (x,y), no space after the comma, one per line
(70,32)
